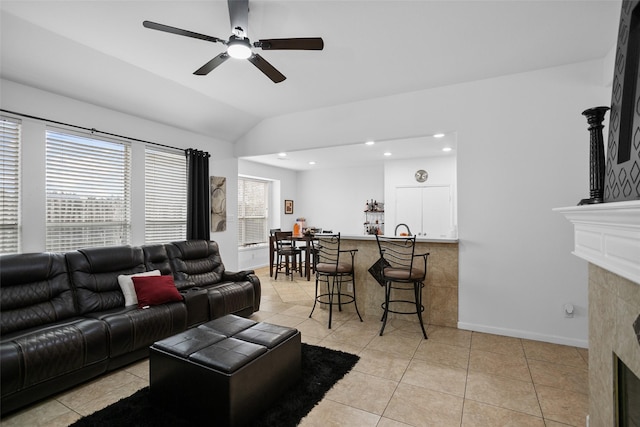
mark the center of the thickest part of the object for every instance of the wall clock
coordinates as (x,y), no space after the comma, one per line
(421,175)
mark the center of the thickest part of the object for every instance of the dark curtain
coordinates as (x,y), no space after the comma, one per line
(197,194)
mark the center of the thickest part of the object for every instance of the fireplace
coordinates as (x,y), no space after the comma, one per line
(628,393)
(607,235)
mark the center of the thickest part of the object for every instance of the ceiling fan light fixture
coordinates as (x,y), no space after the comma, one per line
(239,48)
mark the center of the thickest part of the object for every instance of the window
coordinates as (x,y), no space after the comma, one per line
(88,188)
(10,181)
(165,195)
(253,208)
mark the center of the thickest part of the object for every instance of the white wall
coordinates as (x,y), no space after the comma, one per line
(334,199)
(287,181)
(284,186)
(329,198)
(35,102)
(522,149)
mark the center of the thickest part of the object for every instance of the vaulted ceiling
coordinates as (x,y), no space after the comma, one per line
(99,52)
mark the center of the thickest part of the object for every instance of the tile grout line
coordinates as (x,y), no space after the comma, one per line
(535,389)
(466,380)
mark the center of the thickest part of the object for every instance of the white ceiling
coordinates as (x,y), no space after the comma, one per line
(99,52)
(362,154)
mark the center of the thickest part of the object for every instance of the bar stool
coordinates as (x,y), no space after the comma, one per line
(333,267)
(403,272)
(313,251)
(287,254)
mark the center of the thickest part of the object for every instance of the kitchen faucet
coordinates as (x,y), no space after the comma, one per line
(395,233)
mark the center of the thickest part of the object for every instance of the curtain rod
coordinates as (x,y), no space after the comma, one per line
(92,130)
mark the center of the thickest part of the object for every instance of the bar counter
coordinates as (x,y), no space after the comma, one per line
(440,294)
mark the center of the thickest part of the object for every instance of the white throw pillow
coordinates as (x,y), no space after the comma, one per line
(128,290)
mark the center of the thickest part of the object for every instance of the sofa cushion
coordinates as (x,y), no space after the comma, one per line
(132,329)
(128,290)
(196,261)
(156,258)
(94,273)
(156,290)
(34,290)
(36,355)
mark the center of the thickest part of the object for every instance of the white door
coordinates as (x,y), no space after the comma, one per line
(408,210)
(436,211)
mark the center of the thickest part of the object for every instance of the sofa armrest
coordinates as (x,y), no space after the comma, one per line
(236,276)
(197,301)
(248,276)
(184,284)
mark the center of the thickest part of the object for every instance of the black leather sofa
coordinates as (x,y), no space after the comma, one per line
(63,318)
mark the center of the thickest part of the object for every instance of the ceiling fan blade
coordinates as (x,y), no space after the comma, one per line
(268,69)
(180,32)
(239,17)
(304,43)
(209,66)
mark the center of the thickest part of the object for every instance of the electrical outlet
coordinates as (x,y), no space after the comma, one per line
(350,287)
(568,310)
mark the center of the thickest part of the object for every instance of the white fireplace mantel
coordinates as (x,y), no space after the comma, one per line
(608,235)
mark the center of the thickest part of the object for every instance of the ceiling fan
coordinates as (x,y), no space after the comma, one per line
(239,46)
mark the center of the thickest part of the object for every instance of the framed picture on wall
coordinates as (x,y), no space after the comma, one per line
(288,207)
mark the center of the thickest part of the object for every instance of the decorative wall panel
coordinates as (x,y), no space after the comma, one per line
(218,190)
(622,175)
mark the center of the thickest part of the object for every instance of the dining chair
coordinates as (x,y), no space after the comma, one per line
(333,268)
(288,256)
(307,246)
(403,270)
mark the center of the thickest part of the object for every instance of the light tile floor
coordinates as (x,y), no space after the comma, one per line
(455,378)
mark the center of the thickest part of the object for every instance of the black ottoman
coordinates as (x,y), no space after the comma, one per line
(225,372)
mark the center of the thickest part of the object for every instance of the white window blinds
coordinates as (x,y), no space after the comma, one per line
(10,182)
(252,211)
(88,187)
(165,196)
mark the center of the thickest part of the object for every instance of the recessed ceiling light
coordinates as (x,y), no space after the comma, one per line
(387,153)
(282,154)
(446,149)
(312,162)
(438,135)
(369,143)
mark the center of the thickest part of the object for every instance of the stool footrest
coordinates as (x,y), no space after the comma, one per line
(344,299)
(383,306)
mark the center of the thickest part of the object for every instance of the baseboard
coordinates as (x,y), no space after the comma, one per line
(254,267)
(554,339)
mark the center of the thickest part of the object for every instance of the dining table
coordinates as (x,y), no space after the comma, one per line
(294,238)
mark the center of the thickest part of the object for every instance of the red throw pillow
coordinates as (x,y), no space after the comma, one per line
(154,290)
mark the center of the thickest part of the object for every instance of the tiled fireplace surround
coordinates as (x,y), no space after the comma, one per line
(608,236)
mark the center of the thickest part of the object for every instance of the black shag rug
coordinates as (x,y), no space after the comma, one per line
(321,369)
